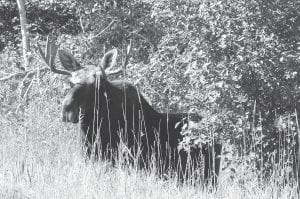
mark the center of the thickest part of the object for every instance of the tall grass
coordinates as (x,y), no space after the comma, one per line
(41,157)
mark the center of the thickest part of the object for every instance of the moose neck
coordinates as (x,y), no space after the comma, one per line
(96,97)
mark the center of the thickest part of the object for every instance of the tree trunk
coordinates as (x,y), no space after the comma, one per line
(25,38)
(298,160)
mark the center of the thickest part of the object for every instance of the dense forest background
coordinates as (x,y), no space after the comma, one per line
(234,62)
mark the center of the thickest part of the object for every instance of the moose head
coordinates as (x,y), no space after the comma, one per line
(82,79)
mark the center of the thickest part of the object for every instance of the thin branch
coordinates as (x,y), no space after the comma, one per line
(143,37)
(107,27)
(81,24)
(12,76)
(25,96)
(23,74)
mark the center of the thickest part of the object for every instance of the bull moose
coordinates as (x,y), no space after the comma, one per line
(111,113)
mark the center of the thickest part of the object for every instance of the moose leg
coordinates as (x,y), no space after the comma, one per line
(89,150)
(188,164)
(90,143)
(212,162)
(217,158)
(181,164)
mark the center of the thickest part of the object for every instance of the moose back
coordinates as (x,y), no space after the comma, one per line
(114,113)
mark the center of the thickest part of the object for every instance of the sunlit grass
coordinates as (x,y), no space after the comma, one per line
(40,157)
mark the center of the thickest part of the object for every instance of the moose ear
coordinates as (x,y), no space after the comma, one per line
(68,61)
(109,59)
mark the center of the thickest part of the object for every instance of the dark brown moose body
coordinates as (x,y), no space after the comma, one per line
(117,118)
(114,115)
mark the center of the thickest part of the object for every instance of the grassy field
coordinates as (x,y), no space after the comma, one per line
(40,157)
(234,62)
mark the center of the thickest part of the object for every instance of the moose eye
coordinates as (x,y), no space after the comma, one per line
(71,84)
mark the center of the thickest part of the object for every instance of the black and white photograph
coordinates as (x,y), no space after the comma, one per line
(149,99)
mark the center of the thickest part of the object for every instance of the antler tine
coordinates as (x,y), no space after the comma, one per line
(50,54)
(127,54)
(47,53)
(113,72)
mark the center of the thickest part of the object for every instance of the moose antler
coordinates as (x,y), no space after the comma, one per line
(50,54)
(127,54)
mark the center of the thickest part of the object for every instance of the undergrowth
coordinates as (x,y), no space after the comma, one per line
(41,157)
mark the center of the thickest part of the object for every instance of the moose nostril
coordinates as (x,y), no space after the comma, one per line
(70,117)
(75,120)
(64,118)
